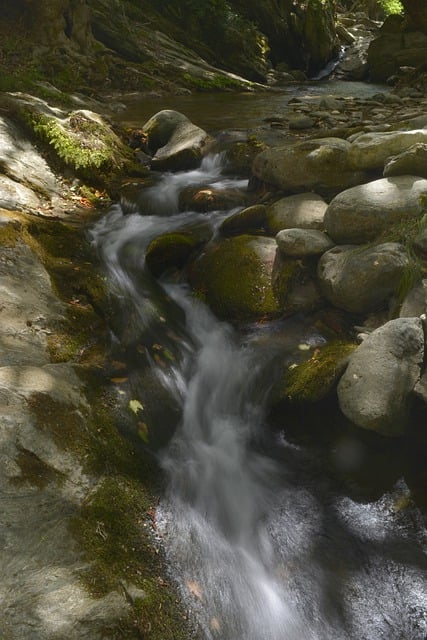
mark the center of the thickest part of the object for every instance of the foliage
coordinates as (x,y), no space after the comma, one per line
(391,6)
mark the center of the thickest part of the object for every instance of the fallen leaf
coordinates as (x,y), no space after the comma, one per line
(215,625)
(118,380)
(135,406)
(195,589)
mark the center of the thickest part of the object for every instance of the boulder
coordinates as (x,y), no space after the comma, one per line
(375,390)
(415,302)
(249,220)
(174,141)
(420,389)
(360,214)
(361,279)
(301,211)
(207,198)
(173,249)
(303,242)
(244,279)
(411,162)
(390,51)
(320,165)
(372,150)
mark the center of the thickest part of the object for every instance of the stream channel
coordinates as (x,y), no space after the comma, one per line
(267,536)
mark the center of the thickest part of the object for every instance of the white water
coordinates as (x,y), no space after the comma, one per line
(255,553)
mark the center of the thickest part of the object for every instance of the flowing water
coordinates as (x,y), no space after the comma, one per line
(261,539)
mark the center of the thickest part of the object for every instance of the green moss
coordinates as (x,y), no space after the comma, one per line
(315,378)
(9,235)
(34,470)
(173,250)
(215,82)
(235,278)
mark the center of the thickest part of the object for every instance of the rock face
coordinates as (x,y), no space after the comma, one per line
(360,214)
(362,279)
(390,51)
(301,211)
(321,165)
(303,242)
(382,373)
(175,142)
(372,150)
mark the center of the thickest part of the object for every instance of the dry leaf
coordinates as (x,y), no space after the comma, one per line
(195,589)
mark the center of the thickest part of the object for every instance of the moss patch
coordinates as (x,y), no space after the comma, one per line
(34,470)
(315,378)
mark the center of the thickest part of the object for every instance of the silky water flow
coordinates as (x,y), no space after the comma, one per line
(255,554)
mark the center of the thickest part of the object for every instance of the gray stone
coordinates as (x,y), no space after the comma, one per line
(420,389)
(375,390)
(303,242)
(320,165)
(360,214)
(415,303)
(301,211)
(372,150)
(16,196)
(361,279)
(301,121)
(176,143)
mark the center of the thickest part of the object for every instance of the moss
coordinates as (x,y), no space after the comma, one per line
(9,235)
(34,470)
(240,156)
(315,378)
(235,278)
(215,82)
(174,249)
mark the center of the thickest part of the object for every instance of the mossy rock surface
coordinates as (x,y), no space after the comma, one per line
(315,378)
(250,220)
(234,276)
(172,250)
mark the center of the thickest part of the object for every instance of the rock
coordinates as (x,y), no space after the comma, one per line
(22,163)
(173,249)
(360,214)
(361,279)
(315,378)
(249,220)
(374,391)
(320,165)
(302,211)
(204,199)
(234,275)
(175,142)
(240,156)
(372,150)
(391,51)
(420,388)
(16,196)
(415,303)
(303,242)
(420,242)
(301,121)
(411,162)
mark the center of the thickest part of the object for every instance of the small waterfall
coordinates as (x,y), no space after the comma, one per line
(260,550)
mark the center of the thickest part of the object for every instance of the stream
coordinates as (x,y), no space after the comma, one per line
(263,536)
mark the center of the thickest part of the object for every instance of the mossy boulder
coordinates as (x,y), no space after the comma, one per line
(173,250)
(315,378)
(234,276)
(240,156)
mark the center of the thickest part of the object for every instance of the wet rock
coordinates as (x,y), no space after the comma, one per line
(420,242)
(301,121)
(250,220)
(360,279)
(360,214)
(320,165)
(303,242)
(411,162)
(375,390)
(16,196)
(175,142)
(301,211)
(205,199)
(372,150)
(240,156)
(173,249)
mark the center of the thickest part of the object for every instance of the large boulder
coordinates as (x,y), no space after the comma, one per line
(360,214)
(174,141)
(321,165)
(372,150)
(375,390)
(244,279)
(361,279)
(301,211)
